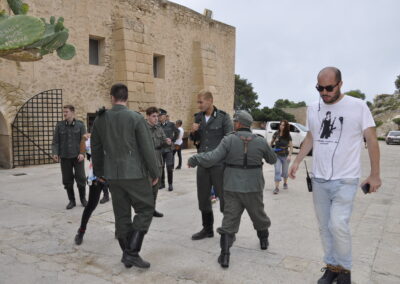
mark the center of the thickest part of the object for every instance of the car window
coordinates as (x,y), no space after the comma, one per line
(274,126)
(293,128)
(302,127)
(394,133)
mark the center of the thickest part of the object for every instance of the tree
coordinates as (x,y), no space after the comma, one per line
(356,93)
(271,114)
(397,83)
(245,97)
(397,121)
(281,103)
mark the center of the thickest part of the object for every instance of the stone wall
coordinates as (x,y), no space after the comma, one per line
(198,53)
(300,113)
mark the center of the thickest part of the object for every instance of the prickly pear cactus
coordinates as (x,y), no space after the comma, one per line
(27,38)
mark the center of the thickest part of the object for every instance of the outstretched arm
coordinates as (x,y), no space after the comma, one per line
(209,159)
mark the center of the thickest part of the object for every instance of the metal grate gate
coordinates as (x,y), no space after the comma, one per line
(33,127)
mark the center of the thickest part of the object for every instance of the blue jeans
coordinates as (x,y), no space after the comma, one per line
(281,167)
(333,202)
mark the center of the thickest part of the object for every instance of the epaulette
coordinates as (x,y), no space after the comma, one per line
(222,112)
(260,135)
(233,132)
(101,111)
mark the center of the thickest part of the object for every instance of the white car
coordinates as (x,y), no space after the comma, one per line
(393,137)
(297,131)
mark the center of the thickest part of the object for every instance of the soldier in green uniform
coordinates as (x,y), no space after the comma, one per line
(172,133)
(243,153)
(209,127)
(160,142)
(123,154)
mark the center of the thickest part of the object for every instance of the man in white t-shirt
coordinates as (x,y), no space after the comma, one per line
(178,143)
(337,124)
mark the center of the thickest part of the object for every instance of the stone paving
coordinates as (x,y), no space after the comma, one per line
(37,233)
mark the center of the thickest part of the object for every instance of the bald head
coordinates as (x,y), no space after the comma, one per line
(331,72)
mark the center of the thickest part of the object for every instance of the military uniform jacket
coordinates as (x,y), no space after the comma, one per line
(159,140)
(210,133)
(122,147)
(171,132)
(231,150)
(67,139)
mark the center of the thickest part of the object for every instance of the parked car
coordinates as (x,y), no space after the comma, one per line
(393,137)
(297,131)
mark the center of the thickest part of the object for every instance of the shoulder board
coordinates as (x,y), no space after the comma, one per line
(101,111)
(260,135)
(221,112)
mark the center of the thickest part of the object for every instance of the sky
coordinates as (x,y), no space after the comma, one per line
(282,45)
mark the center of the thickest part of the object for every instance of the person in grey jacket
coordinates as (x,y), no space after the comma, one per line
(209,128)
(123,154)
(68,148)
(243,153)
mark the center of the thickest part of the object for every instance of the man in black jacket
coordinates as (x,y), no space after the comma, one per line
(172,133)
(209,127)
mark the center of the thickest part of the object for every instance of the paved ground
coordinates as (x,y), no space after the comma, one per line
(36,243)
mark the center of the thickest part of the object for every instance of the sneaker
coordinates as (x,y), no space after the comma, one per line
(285,186)
(276,191)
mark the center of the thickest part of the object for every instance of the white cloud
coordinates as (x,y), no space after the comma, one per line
(281,45)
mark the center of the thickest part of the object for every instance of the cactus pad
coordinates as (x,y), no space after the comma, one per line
(66,51)
(19,31)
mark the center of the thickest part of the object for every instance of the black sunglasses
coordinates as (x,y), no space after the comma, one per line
(327,88)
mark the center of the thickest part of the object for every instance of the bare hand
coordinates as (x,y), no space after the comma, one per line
(168,140)
(154,182)
(293,170)
(56,158)
(80,158)
(195,127)
(374,183)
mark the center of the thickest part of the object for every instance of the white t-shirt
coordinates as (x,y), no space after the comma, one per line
(207,118)
(337,132)
(179,141)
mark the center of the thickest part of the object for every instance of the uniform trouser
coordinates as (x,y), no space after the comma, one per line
(206,178)
(94,196)
(235,203)
(333,203)
(72,169)
(179,151)
(155,191)
(128,193)
(168,161)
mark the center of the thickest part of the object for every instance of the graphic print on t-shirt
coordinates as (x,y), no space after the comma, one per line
(327,126)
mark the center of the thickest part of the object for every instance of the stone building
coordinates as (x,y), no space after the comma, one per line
(164,52)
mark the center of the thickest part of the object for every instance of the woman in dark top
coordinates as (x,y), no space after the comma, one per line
(282,143)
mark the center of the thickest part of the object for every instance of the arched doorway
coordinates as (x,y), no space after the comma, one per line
(5,144)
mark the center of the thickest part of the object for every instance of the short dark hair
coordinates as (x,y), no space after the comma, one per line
(70,107)
(179,122)
(120,92)
(152,110)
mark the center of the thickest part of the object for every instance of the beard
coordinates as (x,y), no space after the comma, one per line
(331,99)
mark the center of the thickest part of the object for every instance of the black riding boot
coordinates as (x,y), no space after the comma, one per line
(82,195)
(170,173)
(71,196)
(207,231)
(131,255)
(263,236)
(225,242)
